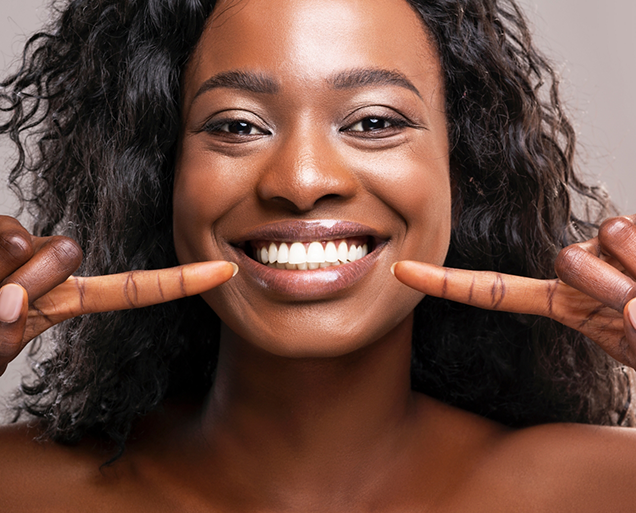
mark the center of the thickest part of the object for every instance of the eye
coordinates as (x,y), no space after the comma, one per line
(235,127)
(375,126)
(370,124)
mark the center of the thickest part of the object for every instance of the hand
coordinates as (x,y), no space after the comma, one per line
(38,290)
(594,293)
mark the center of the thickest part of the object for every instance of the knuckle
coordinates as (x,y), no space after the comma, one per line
(628,295)
(16,246)
(66,252)
(131,291)
(568,261)
(8,222)
(616,230)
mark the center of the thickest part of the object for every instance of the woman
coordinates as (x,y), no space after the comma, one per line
(391,131)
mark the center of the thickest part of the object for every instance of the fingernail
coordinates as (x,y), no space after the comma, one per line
(631,311)
(393,268)
(235,269)
(11,298)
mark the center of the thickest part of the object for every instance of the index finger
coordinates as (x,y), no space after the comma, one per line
(483,289)
(134,289)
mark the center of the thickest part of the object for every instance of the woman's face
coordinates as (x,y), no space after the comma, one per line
(318,123)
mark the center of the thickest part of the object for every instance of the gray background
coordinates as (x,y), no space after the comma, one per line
(592,44)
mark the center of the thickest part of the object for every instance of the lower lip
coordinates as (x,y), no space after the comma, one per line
(311,284)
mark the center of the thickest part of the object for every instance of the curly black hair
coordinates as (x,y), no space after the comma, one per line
(94,112)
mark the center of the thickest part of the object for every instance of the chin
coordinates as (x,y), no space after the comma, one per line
(316,332)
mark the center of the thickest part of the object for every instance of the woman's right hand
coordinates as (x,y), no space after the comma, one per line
(37,290)
(29,268)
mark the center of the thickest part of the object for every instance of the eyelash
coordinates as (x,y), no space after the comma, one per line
(218,125)
(391,124)
(394,123)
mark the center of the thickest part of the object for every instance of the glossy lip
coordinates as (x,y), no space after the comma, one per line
(307,231)
(310,284)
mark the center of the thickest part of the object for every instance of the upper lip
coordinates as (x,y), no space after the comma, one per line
(308,231)
(310,284)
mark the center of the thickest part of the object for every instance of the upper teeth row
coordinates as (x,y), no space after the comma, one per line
(315,255)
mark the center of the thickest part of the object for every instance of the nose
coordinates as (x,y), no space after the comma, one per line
(306,170)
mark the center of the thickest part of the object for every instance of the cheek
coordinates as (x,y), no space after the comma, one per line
(203,192)
(428,224)
(428,215)
(426,202)
(415,185)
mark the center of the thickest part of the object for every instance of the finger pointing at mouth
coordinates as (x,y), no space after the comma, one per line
(135,289)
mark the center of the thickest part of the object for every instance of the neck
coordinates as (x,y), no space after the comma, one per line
(311,423)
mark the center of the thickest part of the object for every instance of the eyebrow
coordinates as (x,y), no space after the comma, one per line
(349,79)
(242,80)
(364,77)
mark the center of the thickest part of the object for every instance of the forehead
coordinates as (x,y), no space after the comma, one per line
(305,41)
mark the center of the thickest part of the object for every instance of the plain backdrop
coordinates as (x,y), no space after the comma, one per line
(592,44)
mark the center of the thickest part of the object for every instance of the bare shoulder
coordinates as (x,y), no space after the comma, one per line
(563,467)
(553,467)
(25,454)
(36,472)
(41,475)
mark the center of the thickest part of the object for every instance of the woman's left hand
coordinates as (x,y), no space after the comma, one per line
(594,293)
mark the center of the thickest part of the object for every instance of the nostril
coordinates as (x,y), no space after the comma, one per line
(285,203)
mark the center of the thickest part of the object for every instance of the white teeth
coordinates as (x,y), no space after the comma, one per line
(353,252)
(283,254)
(343,251)
(315,253)
(297,254)
(273,253)
(331,253)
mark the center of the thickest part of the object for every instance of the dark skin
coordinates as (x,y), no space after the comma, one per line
(312,408)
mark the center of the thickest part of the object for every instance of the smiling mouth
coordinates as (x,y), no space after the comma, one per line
(307,260)
(311,255)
